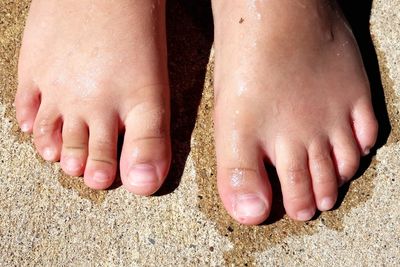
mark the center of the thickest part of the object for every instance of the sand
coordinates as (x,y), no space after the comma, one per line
(47,218)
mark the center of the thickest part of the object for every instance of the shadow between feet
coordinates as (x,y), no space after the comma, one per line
(190,37)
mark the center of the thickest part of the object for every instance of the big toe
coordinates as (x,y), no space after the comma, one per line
(146,152)
(243,184)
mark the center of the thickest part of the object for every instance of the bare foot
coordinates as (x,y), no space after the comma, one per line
(290,88)
(88,71)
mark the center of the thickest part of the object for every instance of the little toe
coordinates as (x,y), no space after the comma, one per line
(365,126)
(75,146)
(243,183)
(47,133)
(294,175)
(101,165)
(323,174)
(346,154)
(146,152)
(27,102)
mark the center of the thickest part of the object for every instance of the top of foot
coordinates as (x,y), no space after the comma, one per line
(290,88)
(88,71)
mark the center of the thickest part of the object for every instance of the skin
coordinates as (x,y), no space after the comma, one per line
(88,71)
(290,89)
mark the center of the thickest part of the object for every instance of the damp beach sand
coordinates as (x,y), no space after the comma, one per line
(47,218)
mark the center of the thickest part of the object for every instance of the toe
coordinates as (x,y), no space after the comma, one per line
(101,164)
(346,154)
(365,126)
(146,152)
(75,146)
(243,184)
(47,133)
(294,175)
(323,175)
(27,101)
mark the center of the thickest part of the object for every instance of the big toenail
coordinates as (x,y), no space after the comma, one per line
(305,215)
(101,177)
(73,165)
(142,175)
(326,203)
(249,206)
(25,127)
(49,154)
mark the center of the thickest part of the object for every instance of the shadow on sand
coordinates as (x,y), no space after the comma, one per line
(190,37)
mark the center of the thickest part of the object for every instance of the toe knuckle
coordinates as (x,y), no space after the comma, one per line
(239,176)
(297,174)
(74,146)
(298,199)
(324,180)
(102,145)
(153,119)
(320,158)
(103,155)
(44,126)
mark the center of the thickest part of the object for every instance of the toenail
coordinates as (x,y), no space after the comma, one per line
(25,127)
(49,154)
(305,215)
(142,175)
(101,177)
(73,164)
(326,203)
(249,206)
(366,151)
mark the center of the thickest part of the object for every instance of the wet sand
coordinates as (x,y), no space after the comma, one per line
(48,218)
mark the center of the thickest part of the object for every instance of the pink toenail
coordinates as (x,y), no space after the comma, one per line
(25,127)
(100,177)
(142,175)
(49,154)
(366,151)
(326,203)
(305,215)
(73,165)
(249,206)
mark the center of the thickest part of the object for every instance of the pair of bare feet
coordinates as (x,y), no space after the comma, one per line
(290,88)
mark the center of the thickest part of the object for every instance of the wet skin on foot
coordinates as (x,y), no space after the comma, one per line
(89,70)
(290,88)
